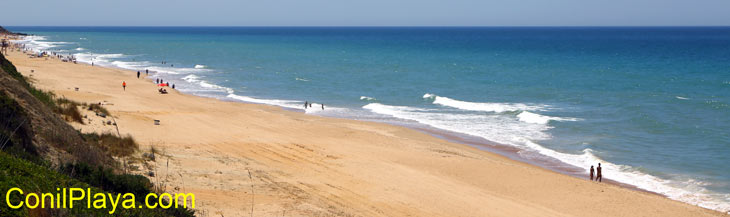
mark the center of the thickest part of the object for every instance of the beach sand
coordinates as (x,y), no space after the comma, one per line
(236,157)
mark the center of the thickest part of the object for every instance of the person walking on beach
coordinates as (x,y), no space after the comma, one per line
(173,86)
(305,105)
(124,85)
(146,72)
(322,106)
(137,74)
(599,177)
(157,81)
(591,172)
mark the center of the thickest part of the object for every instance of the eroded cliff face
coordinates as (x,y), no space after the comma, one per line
(29,124)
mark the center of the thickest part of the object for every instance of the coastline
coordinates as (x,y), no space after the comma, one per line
(406,140)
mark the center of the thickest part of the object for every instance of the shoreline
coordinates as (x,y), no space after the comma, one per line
(511,152)
(433,134)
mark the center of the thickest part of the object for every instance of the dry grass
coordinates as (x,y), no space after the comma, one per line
(112,144)
(69,109)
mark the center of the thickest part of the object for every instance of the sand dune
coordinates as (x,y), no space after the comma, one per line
(303,165)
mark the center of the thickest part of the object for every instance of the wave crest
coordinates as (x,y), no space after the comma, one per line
(529,117)
(480,106)
(367,98)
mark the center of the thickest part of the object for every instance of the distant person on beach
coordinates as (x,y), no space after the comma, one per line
(591,172)
(599,177)
(137,74)
(124,85)
(92,63)
(157,81)
(173,86)
(305,104)
(322,106)
(146,72)
(161,81)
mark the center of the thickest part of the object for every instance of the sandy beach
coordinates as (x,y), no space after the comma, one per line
(248,159)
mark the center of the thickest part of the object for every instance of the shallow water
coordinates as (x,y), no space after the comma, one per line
(651,104)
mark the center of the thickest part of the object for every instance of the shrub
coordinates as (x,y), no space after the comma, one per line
(71,112)
(107,180)
(29,177)
(98,109)
(15,125)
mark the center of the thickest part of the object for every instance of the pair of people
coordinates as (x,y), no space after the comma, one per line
(599,176)
(306,104)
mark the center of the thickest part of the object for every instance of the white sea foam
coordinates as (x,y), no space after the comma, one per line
(301,79)
(367,98)
(191,78)
(40,43)
(682,98)
(316,108)
(98,59)
(80,49)
(478,106)
(494,127)
(529,117)
(199,66)
(524,116)
(523,131)
(205,85)
(277,102)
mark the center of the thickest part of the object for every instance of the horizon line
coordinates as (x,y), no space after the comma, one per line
(384,26)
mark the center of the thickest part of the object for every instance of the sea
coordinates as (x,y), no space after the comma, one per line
(651,104)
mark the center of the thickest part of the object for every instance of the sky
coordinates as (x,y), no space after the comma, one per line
(365,13)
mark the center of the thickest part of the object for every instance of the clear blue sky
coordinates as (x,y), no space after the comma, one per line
(365,13)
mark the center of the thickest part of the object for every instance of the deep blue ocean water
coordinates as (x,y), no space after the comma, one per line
(651,103)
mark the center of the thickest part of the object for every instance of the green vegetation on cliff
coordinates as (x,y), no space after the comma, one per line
(41,153)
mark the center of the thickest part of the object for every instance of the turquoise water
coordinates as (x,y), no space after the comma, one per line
(651,104)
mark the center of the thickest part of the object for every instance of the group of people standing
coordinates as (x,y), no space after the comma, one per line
(157,81)
(599,176)
(160,81)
